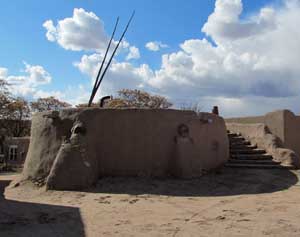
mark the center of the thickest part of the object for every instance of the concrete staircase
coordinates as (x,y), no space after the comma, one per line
(245,155)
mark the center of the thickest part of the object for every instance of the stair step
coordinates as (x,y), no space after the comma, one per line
(252,157)
(247,151)
(236,139)
(245,155)
(266,162)
(241,146)
(258,166)
(242,142)
(230,135)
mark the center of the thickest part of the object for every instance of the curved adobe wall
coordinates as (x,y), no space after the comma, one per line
(73,148)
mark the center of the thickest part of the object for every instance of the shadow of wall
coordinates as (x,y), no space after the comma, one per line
(33,219)
(227,182)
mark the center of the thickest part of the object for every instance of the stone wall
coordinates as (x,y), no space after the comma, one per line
(73,148)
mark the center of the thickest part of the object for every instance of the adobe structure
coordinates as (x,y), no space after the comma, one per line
(73,148)
(276,132)
(13,150)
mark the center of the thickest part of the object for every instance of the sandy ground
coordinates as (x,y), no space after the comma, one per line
(232,203)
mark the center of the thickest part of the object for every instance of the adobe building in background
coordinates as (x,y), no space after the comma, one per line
(14,150)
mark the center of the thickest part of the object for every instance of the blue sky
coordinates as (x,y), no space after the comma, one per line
(24,44)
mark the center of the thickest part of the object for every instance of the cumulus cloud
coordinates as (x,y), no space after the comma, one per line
(224,23)
(244,65)
(28,83)
(35,75)
(83,31)
(120,74)
(134,53)
(3,72)
(155,45)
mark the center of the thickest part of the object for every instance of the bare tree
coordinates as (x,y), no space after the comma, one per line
(138,99)
(85,105)
(5,98)
(192,107)
(47,104)
(19,117)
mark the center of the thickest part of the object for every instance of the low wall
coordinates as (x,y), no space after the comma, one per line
(246,120)
(260,135)
(284,124)
(73,148)
(292,131)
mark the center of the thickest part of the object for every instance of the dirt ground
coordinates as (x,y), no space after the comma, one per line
(231,203)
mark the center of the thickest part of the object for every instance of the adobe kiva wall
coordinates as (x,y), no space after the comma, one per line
(283,125)
(72,148)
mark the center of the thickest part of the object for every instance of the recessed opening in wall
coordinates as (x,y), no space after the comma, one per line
(13,152)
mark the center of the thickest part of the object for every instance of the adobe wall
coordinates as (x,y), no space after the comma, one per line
(292,131)
(283,124)
(246,120)
(259,134)
(73,148)
(273,120)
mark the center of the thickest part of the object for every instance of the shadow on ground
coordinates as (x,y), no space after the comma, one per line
(33,219)
(226,183)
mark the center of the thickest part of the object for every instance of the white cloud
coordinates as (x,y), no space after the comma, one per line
(34,76)
(37,75)
(260,63)
(120,74)
(43,94)
(155,45)
(3,72)
(74,95)
(224,24)
(251,68)
(51,30)
(134,53)
(28,83)
(83,31)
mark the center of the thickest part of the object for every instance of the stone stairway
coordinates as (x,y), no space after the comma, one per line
(245,155)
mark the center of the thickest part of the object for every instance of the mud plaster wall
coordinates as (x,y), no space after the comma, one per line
(284,124)
(246,120)
(292,131)
(73,148)
(259,134)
